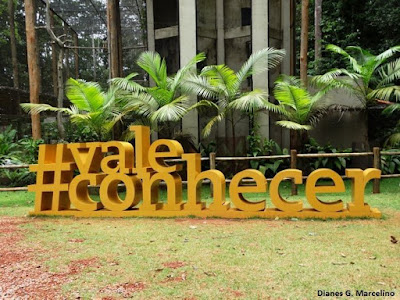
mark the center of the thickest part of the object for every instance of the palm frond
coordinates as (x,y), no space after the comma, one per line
(290,95)
(155,66)
(388,53)
(391,108)
(33,108)
(254,101)
(385,93)
(203,103)
(329,76)
(393,140)
(86,96)
(389,73)
(336,49)
(207,129)
(259,62)
(293,125)
(78,118)
(173,111)
(200,86)
(141,104)
(127,83)
(190,67)
(338,84)
(222,78)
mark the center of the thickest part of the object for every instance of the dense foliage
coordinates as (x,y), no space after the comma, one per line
(370,24)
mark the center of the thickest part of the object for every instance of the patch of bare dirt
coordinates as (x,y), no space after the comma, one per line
(76,240)
(234,293)
(79,265)
(174,264)
(172,278)
(21,274)
(124,289)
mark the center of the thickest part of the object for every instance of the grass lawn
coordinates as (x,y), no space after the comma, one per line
(148,258)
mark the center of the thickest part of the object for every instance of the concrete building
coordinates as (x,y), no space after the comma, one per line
(228,31)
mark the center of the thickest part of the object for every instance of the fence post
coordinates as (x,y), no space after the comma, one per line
(212,167)
(377,165)
(293,165)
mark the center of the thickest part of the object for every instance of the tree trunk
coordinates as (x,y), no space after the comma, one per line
(233,134)
(33,64)
(60,97)
(76,56)
(298,139)
(66,53)
(13,44)
(94,59)
(115,47)
(113,26)
(119,35)
(318,35)
(54,58)
(304,41)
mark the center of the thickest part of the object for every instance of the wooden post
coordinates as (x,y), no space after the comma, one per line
(293,165)
(76,55)
(33,64)
(377,165)
(212,167)
(304,41)
(13,44)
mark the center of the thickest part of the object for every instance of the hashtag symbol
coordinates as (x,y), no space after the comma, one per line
(54,171)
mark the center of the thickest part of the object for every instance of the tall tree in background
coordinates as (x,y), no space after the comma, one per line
(304,41)
(61,43)
(33,63)
(13,43)
(318,35)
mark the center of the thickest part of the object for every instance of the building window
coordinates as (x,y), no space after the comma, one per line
(246,16)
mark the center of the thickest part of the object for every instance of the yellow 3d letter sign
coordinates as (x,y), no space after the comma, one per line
(64,173)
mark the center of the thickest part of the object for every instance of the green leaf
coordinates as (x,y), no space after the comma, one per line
(85,96)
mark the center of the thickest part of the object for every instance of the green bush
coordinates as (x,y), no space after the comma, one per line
(390,164)
(17,152)
(337,164)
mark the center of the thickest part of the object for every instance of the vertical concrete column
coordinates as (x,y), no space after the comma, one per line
(259,40)
(286,22)
(151,42)
(219,10)
(188,47)
(220,31)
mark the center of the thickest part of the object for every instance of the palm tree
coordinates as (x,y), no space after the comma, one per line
(369,77)
(162,104)
(222,89)
(300,109)
(91,107)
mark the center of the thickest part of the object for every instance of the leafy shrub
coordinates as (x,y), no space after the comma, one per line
(265,147)
(337,164)
(8,145)
(17,152)
(74,133)
(390,164)
(18,177)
